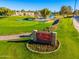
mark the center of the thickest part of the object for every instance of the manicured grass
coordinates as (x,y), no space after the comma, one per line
(15,25)
(66,34)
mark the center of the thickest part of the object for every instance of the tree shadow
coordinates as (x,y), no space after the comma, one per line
(20,41)
(28,41)
(2,17)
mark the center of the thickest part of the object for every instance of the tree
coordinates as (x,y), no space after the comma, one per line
(10,12)
(69,10)
(56,13)
(22,10)
(6,11)
(76,12)
(66,10)
(45,13)
(37,14)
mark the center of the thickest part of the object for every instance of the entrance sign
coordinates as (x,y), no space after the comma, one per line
(45,37)
(42,36)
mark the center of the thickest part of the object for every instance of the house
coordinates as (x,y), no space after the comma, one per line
(25,13)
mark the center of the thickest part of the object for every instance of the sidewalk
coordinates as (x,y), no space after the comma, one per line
(76,24)
(11,37)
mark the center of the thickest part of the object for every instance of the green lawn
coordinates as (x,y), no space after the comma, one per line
(67,35)
(15,25)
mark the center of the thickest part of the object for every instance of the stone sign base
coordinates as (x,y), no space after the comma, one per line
(42,48)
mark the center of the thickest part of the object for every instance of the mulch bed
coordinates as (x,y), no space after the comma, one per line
(43,47)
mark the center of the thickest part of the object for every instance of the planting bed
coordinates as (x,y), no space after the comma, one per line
(43,48)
